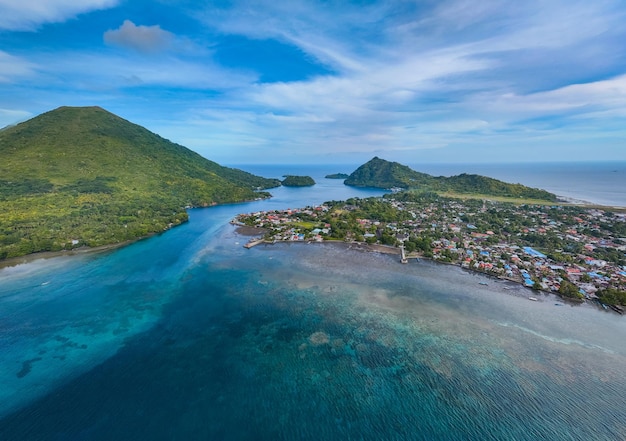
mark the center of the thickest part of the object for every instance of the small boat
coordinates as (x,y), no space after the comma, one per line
(483,283)
(534,299)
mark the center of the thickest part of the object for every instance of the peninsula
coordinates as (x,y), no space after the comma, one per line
(577,252)
(379,173)
(82,176)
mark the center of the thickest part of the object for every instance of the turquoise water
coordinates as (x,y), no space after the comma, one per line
(188,335)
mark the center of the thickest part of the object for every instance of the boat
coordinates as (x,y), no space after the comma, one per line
(534,299)
(483,283)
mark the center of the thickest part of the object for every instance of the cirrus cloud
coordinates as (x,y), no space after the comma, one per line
(13,68)
(27,15)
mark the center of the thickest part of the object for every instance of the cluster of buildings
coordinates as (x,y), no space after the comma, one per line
(539,246)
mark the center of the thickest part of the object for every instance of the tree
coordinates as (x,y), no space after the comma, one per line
(536,284)
(569,290)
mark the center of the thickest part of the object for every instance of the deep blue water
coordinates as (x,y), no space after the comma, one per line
(188,335)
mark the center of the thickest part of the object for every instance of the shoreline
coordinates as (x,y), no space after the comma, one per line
(242,230)
(389,250)
(28,258)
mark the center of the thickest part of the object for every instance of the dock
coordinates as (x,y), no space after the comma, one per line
(403,258)
(253,243)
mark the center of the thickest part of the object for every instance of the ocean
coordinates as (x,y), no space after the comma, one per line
(189,336)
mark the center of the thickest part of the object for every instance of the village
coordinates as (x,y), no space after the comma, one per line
(574,251)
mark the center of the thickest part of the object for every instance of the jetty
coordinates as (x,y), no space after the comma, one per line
(404,257)
(253,242)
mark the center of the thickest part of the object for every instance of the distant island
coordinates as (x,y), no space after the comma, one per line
(82,176)
(297,181)
(379,173)
(337,176)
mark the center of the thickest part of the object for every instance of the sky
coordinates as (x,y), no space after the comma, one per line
(332,81)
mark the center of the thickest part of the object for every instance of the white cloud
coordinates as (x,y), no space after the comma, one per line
(595,97)
(409,76)
(14,68)
(148,39)
(404,76)
(29,14)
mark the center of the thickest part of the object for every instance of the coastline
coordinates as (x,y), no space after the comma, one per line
(28,258)
(254,232)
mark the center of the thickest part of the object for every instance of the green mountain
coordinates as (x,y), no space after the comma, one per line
(379,173)
(298,181)
(84,176)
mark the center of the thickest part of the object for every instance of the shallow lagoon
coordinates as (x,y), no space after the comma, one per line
(190,336)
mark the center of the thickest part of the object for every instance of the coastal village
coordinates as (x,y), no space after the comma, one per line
(576,252)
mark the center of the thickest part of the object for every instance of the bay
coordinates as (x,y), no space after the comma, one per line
(187,335)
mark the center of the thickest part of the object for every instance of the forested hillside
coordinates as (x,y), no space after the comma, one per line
(84,176)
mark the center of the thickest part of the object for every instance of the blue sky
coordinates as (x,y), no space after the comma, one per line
(332,81)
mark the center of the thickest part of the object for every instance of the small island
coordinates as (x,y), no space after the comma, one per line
(298,181)
(337,176)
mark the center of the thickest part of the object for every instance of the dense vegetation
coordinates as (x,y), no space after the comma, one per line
(384,174)
(298,181)
(611,296)
(337,176)
(83,176)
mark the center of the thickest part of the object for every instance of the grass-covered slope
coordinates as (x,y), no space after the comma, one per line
(385,174)
(83,176)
